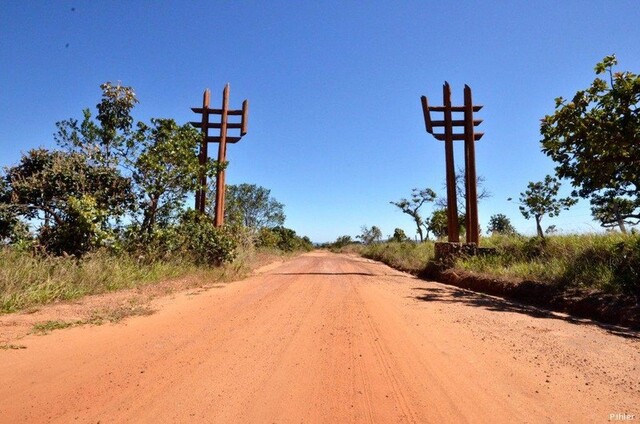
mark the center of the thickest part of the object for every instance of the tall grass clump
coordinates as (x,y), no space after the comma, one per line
(406,256)
(28,280)
(609,262)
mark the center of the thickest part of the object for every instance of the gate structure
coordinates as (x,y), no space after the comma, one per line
(222,139)
(470,137)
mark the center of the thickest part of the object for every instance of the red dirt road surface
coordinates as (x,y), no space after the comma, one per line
(327,338)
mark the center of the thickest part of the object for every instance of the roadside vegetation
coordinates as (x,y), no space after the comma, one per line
(606,262)
(593,138)
(108,210)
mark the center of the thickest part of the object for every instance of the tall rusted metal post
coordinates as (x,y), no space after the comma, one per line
(223,139)
(201,193)
(469,137)
(470,168)
(453,232)
(222,158)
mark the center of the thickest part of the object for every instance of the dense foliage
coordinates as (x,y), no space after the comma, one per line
(252,206)
(370,235)
(595,140)
(500,224)
(121,186)
(608,262)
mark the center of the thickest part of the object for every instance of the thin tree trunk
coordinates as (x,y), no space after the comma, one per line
(419,231)
(623,228)
(538,227)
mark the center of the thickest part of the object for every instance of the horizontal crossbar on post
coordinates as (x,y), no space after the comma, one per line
(452,108)
(456,137)
(227,140)
(455,123)
(215,125)
(216,111)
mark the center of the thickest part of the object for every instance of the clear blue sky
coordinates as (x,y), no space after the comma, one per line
(336,128)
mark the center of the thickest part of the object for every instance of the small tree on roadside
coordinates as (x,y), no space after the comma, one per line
(399,236)
(613,211)
(437,223)
(252,206)
(540,199)
(342,241)
(461,192)
(108,141)
(165,170)
(412,208)
(500,224)
(370,235)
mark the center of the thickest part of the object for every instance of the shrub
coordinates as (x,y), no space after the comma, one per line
(205,243)
(283,238)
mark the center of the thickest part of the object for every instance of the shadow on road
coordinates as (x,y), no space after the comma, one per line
(466,297)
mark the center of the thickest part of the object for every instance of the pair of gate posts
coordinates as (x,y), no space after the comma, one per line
(470,137)
(222,140)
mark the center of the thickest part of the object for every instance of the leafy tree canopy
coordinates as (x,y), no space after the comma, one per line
(370,235)
(595,140)
(399,235)
(252,206)
(500,224)
(342,241)
(66,194)
(437,223)
(108,140)
(612,210)
(165,170)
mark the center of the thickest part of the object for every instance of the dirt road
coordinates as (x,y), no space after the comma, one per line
(326,338)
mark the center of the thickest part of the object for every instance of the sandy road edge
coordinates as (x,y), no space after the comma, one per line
(114,307)
(597,307)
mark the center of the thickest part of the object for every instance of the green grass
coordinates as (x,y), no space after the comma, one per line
(608,262)
(101,316)
(98,317)
(410,257)
(48,326)
(28,280)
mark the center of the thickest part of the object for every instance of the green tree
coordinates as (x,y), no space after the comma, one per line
(437,223)
(412,208)
(108,140)
(500,224)
(399,236)
(252,206)
(370,235)
(71,199)
(165,170)
(200,240)
(283,238)
(540,199)
(595,140)
(613,211)
(342,241)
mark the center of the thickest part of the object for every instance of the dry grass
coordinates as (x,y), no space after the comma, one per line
(28,281)
(608,262)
